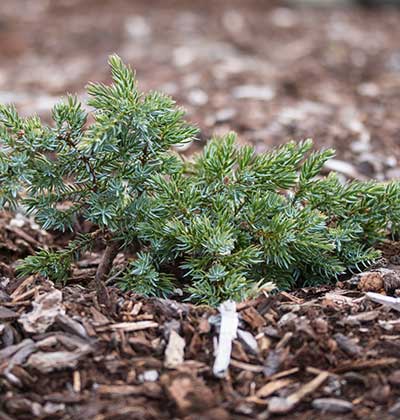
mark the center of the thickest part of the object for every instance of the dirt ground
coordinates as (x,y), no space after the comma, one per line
(271,72)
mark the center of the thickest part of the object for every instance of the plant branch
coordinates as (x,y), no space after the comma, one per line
(83,158)
(103,270)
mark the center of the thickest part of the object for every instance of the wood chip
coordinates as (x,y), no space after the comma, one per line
(190,394)
(228,330)
(49,361)
(19,290)
(392,302)
(150,389)
(7,314)
(98,317)
(292,298)
(253,318)
(10,350)
(284,373)
(175,350)
(274,361)
(361,317)
(129,326)
(246,366)
(136,309)
(76,383)
(46,307)
(20,356)
(70,325)
(28,294)
(367,364)
(271,387)
(248,340)
(378,280)
(282,405)
(347,344)
(332,405)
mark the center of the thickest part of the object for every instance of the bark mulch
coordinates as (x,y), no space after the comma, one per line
(326,352)
(271,72)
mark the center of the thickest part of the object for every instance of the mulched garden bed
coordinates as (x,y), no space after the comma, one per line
(269,72)
(326,352)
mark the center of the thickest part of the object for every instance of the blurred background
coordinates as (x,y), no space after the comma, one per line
(270,70)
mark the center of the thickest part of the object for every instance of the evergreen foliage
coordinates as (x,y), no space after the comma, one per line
(218,227)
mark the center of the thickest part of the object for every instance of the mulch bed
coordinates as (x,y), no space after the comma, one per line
(326,352)
(265,69)
(270,72)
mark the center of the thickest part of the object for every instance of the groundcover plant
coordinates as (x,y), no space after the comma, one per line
(216,227)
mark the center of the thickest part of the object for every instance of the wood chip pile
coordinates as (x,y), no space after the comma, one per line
(323,352)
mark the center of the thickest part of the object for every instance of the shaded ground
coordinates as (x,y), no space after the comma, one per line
(270,73)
